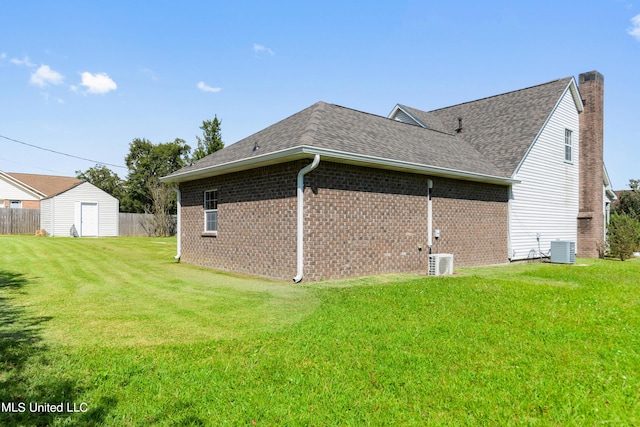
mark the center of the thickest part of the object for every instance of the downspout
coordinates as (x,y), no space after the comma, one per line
(178,224)
(429,215)
(300,211)
(510,252)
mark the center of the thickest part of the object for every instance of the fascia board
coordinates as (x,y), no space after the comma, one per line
(22,186)
(579,106)
(275,157)
(303,151)
(577,98)
(402,166)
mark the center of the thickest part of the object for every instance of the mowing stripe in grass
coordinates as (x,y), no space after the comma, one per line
(517,345)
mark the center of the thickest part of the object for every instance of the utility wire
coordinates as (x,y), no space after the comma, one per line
(60,153)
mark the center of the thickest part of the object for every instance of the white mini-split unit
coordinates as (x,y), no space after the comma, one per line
(440,264)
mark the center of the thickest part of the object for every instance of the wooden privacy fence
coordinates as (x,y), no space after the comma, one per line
(27,221)
(19,221)
(137,224)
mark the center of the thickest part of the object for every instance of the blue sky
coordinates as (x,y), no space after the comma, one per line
(87,77)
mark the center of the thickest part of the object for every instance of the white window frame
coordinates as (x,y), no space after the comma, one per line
(568,146)
(210,205)
(15,204)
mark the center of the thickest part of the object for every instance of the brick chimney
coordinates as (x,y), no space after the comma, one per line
(590,215)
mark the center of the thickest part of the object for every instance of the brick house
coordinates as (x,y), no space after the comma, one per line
(332,192)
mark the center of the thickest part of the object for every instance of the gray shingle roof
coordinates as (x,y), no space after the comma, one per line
(340,129)
(496,134)
(503,127)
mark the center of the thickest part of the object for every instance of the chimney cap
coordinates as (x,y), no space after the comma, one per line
(591,75)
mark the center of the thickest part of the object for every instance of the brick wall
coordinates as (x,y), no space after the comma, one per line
(358,221)
(256,222)
(364,221)
(473,221)
(26,204)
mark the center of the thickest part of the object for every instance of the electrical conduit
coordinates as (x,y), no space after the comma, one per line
(300,211)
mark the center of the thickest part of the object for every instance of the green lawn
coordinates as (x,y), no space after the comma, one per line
(119,329)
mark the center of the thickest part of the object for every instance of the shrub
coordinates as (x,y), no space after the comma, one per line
(624,236)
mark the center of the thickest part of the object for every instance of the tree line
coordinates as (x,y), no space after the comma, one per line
(141,191)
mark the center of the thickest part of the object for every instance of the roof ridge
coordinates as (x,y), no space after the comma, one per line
(309,133)
(495,96)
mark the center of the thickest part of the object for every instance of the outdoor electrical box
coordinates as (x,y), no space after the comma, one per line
(563,252)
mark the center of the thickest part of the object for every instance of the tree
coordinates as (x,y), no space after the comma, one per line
(103,178)
(211,140)
(629,200)
(162,224)
(147,162)
(623,235)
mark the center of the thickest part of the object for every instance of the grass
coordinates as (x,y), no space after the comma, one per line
(143,340)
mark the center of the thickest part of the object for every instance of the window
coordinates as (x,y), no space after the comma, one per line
(15,204)
(211,211)
(568,146)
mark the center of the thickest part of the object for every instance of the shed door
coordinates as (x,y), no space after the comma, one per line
(88,219)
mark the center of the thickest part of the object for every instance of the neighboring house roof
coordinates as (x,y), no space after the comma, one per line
(21,185)
(349,136)
(46,185)
(501,127)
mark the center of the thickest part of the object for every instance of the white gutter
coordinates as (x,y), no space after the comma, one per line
(300,211)
(304,151)
(179,224)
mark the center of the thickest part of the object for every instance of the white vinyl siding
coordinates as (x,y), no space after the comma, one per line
(60,213)
(403,117)
(46,215)
(546,200)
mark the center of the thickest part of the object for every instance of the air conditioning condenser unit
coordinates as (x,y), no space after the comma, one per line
(440,264)
(563,252)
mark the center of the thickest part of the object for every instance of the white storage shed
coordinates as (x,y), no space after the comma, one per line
(83,210)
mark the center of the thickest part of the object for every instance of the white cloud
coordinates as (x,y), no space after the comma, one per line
(99,83)
(3,55)
(259,49)
(203,87)
(44,76)
(635,31)
(23,61)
